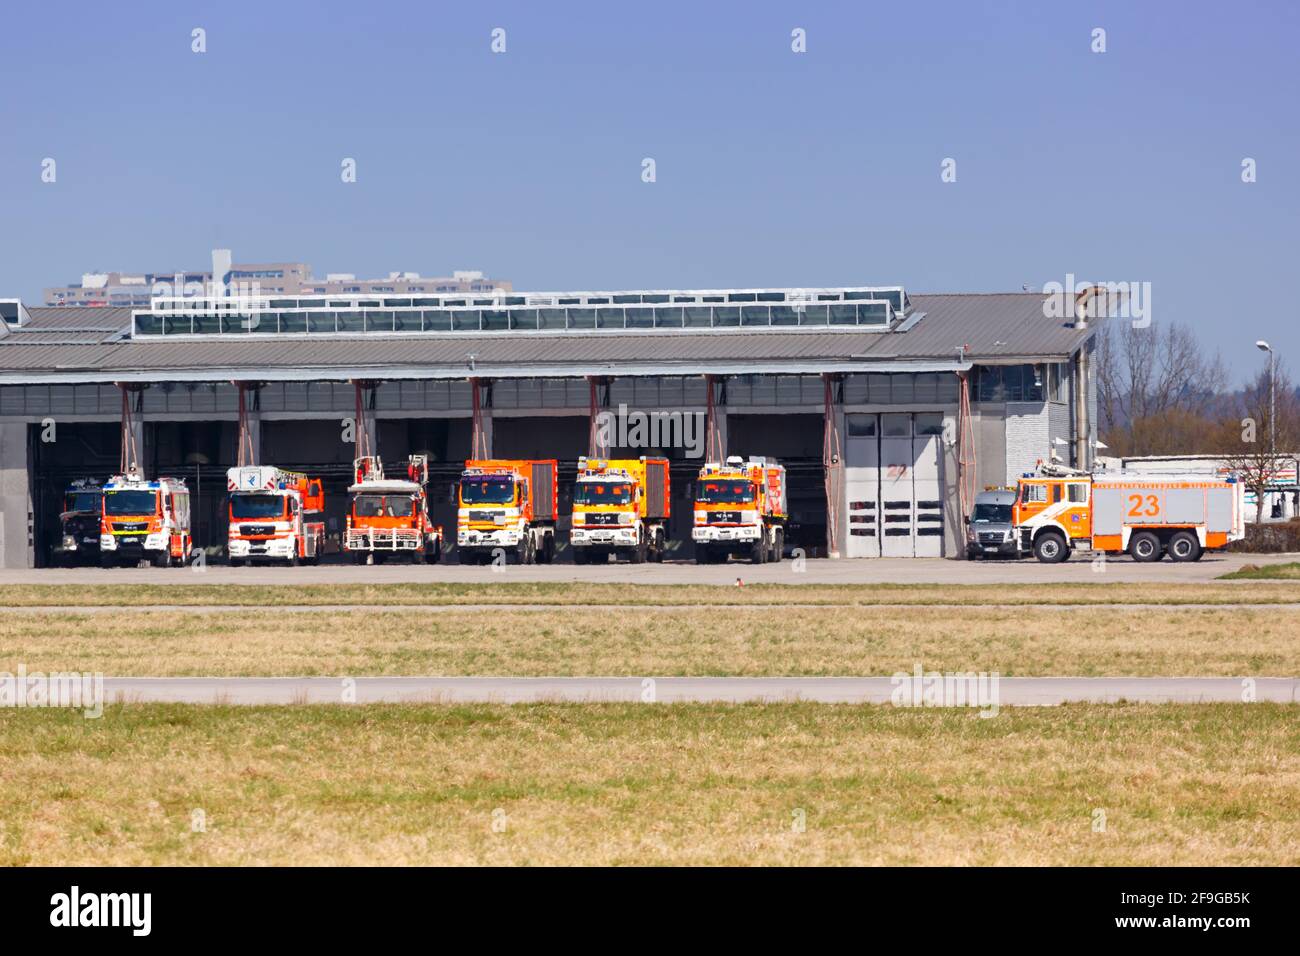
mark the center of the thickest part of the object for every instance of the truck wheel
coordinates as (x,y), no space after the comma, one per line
(1144,546)
(580,555)
(1050,548)
(778,546)
(636,554)
(659,547)
(758,553)
(236,562)
(434,554)
(1183,546)
(701,554)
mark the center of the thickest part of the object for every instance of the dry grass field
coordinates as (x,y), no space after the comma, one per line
(628,784)
(680,641)
(578,593)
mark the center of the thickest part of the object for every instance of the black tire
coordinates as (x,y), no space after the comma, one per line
(236,562)
(702,554)
(778,546)
(758,552)
(1183,546)
(659,547)
(434,554)
(580,556)
(1144,546)
(1050,548)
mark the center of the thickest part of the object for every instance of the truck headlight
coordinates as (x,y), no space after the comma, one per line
(749,517)
(69,541)
(701,517)
(624,517)
(106,541)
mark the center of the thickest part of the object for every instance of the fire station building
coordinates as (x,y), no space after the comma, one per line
(889,409)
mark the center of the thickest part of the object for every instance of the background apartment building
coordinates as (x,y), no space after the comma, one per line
(136,289)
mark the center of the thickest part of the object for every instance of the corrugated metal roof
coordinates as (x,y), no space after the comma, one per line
(70,317)
(993,326)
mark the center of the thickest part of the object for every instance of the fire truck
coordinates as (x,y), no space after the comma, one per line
(740,508)
(274,515)
(83,507)
(145,520)
(1059,510)
(391,515)
(508,506)
(620,506)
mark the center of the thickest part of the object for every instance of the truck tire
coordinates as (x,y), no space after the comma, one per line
(547,554)
(1183,546)
(1050,548)
(778,546)
(433,554)
(701,554)
(1144,546)
(659,547)
(580,555)
(758,553)
(236,562)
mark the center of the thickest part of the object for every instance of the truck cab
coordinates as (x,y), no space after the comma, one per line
(506,506)
(620,507)
(990,530)
(83,507)
(391,515)
(273,515)
(740,508)
(145,520)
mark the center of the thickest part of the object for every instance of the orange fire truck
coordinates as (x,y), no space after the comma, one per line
(274,515)
(145,520)
(740,508)
(620,506)
(391,515)
(508,506)
(1059,510)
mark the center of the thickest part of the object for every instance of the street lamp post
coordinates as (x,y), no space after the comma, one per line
(1272,396)
(1272,408)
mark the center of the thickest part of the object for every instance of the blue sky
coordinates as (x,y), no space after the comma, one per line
(773,168)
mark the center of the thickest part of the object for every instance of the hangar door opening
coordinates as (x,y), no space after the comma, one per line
(893,484)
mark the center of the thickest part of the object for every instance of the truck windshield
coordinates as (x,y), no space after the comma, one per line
(492,490)
(383,506)
(130,502)
(257,506)
(724,492)
(601,493)
(84,501)
(992,514)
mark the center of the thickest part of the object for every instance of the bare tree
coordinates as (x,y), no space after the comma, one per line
(1266,445)
(1151,379)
